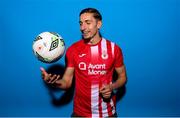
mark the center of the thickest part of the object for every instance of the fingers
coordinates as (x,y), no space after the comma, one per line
(44,74)
(53,78)
(105,91)
(103,88)
(106,95)
(49,78)
(57,78)
(43,71)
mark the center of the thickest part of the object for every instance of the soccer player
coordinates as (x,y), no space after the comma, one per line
(92,60)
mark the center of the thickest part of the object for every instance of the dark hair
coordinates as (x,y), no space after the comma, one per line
(95,12)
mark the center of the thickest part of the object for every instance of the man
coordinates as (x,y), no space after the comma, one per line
(92,60)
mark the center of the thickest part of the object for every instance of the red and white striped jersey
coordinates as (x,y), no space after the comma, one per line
(94,66)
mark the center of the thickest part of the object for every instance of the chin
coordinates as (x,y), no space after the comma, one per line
(86,38)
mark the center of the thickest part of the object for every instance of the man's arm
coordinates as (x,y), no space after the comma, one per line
(64,83)
(66,80)
(107,89)
(121,72)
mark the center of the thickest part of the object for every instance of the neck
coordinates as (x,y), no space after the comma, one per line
(94,40)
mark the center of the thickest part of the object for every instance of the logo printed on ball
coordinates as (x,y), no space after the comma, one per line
(54,44)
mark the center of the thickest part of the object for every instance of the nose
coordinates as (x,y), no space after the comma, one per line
(82,27)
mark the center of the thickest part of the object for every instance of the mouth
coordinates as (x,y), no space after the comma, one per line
(85,33)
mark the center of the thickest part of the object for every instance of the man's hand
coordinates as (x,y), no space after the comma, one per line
(49,78)
(106,91)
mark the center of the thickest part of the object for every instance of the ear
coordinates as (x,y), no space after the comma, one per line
(99,24)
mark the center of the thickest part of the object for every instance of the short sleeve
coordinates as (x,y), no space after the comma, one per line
(118,57)
(69,57)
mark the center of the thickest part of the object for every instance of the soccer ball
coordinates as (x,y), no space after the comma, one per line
(48,47)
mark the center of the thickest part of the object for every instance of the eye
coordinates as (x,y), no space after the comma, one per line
(88,23)
(80,23)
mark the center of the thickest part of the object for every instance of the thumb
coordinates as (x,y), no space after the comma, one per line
(43,71)
(102,88)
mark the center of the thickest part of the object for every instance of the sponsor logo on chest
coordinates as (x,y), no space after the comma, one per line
(93,69)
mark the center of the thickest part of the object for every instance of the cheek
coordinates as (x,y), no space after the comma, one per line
(93,28)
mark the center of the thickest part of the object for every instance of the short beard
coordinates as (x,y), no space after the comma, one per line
(86,40)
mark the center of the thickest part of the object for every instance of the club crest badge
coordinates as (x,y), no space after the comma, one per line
(104,55)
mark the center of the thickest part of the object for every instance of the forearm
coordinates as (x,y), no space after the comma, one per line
(118,83)
(121,78)
(66,80)
(61,84)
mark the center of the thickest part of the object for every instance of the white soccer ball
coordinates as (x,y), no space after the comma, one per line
(48,47)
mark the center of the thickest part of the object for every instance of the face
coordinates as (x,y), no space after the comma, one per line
(89,26)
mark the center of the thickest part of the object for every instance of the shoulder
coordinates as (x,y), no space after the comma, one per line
(115,45)
(75,46)
(116,49)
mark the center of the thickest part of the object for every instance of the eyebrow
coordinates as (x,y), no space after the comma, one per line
(85,21)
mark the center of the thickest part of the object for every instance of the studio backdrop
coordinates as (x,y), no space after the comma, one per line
(147,31)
